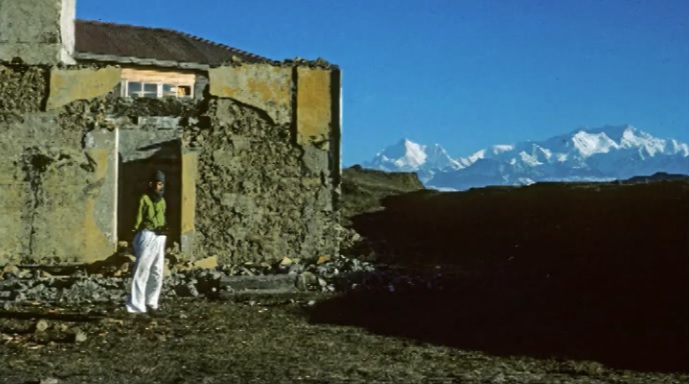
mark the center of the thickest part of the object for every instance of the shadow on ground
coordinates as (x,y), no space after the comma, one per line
(586,272)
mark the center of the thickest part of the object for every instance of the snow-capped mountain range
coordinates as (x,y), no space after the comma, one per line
(587,154)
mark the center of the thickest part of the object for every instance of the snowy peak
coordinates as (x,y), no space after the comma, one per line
(592,143)
(595,141)
(676,147)
(408,156)
(605,153)
(438,158)
(486,153)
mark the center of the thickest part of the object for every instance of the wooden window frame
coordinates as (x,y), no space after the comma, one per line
(159,89)
(160,79)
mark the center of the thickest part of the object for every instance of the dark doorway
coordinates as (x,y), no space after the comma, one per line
(133,181)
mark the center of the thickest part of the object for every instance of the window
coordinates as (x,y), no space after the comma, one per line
(136,89)
(150,90)
(133,89)
(176,90)
(169,90)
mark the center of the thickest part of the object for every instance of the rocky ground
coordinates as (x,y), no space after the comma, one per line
(545,284)
(259,340)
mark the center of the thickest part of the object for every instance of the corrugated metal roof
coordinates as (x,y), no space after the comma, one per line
(110,39)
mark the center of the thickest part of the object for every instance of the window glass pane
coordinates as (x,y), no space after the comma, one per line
(169,90)
(134,86)
(148,87)
(133,89)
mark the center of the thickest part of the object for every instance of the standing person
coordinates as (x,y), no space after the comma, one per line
(149,247)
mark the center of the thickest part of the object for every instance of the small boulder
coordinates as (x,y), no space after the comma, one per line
(286,262)
(206,263)
(10,270)
(306,281)
(122,246)
(80,337)
(322,259)
(41,325)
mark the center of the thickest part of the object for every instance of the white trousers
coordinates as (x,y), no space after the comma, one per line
(147,280)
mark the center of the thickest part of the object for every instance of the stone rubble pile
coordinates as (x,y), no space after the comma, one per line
(109,281)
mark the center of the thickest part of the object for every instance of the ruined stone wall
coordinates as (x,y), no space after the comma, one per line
(37,31)
(258,162)
(267,186)
(53,199)
(255,196)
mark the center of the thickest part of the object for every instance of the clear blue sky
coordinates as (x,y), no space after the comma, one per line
(462,73)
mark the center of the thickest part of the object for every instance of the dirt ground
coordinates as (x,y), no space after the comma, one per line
(545,284)
(257,340)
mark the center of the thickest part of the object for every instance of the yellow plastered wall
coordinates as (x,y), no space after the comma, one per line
(314,105)
(260,85)
(68,85)
(189,172)
(96,243)
(11,201)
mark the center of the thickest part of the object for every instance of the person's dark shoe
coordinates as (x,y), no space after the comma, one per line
(155,312)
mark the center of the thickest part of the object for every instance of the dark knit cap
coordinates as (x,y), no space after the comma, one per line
(158,176)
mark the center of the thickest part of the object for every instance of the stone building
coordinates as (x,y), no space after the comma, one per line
(251,146)
(155,62)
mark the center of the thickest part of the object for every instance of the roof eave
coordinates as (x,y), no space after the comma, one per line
(139,61)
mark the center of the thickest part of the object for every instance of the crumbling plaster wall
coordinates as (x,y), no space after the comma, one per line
(37,31)
(260,162)
(266,186)
(54,201)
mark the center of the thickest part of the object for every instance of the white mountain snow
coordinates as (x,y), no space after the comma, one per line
(407,156)
(587,154)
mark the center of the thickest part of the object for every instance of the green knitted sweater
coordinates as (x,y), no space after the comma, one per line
(150,215)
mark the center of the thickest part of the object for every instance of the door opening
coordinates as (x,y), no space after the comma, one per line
(133,175)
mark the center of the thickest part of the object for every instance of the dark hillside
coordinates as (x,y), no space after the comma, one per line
(363,189)
(585,271)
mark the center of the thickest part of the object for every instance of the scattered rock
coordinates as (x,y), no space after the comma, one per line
(286,261)
(295,269)
(10,270)
(115,265)
(80,337)
(187,290)
(41,325)
(206,263)
(166,269)
(323,259)
(274,283)
(108,280)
